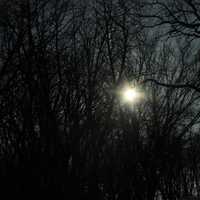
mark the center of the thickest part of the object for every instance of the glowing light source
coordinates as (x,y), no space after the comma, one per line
(131,95)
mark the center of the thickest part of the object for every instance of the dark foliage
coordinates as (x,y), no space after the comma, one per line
(64,131)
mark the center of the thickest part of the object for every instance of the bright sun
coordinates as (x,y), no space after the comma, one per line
(130,95)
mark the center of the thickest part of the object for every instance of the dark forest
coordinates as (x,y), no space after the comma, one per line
(100,99)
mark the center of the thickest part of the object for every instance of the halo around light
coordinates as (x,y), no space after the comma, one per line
(130,95)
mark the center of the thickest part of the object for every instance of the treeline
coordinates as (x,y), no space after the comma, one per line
(64,131)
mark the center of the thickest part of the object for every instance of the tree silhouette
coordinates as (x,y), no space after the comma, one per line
(65,131)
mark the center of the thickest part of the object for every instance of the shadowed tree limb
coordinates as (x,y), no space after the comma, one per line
(186,85)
